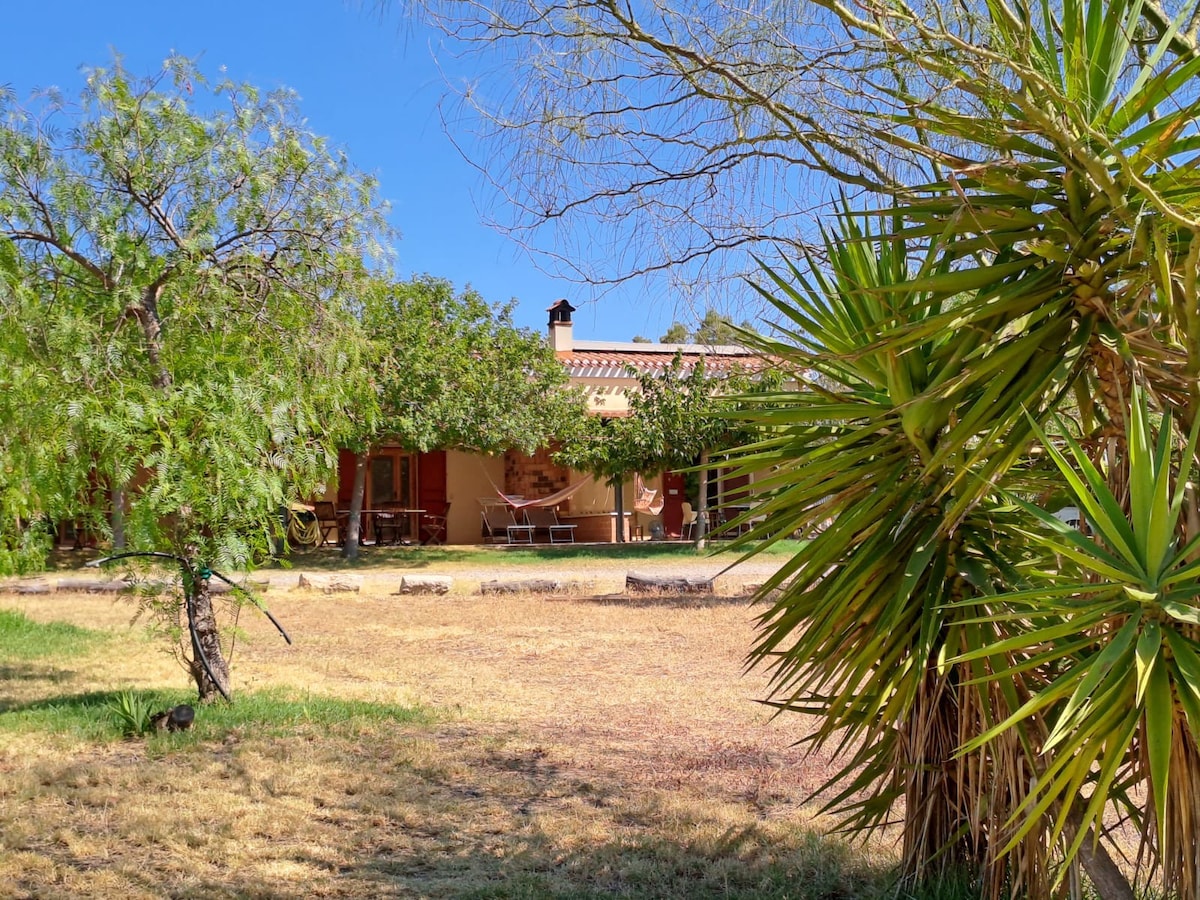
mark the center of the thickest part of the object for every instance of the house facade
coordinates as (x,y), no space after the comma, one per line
(459,484)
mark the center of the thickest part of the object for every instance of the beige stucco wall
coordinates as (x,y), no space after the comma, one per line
(466,482)
(605,396)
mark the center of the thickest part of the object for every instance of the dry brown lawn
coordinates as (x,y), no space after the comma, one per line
(579,746)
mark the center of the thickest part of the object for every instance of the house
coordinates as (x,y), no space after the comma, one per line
(461,481)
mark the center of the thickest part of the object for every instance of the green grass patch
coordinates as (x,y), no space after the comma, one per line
(276,712)
(23,638)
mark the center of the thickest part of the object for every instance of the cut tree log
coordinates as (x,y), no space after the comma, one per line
(530,586)
(90,586)
(331,584)
(425,584)
(253,585)
(36,587)
(679,584)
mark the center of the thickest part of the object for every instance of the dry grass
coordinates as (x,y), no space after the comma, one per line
(581,747)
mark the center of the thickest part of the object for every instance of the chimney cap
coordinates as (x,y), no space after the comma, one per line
(560,311)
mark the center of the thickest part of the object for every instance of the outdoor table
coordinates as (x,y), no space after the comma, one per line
(371,518)
(390,516)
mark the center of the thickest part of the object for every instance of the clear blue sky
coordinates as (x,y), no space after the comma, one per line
(369,84)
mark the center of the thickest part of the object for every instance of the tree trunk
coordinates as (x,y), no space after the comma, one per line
(619,504)
(702,503)
(1106,877)
(354,524)
(118,517)
(207,638)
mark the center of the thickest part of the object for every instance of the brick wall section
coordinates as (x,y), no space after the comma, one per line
(535,476)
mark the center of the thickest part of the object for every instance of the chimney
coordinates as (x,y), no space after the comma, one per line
(561,339)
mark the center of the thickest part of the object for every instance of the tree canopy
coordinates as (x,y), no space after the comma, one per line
(174,258)
(453,371)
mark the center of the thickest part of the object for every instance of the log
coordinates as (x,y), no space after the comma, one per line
(91,586)
(331,584)
(529,586)
(254,586)
(425,584)
(677,584)
(32,587)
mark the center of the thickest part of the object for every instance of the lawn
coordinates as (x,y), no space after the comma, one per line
(414,747)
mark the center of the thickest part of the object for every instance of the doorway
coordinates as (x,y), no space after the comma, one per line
(391,476)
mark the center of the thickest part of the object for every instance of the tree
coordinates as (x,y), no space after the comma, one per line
(663,138)
(676,334)
(713,330)
(676,419)
(174,252)
(641,339)
(1012,679)
(453,372)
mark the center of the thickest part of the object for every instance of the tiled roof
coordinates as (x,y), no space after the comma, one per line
(587,363)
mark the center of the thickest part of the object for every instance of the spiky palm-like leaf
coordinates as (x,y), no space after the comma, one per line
(1123,702)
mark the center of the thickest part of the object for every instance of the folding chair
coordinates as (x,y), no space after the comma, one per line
(329,521)
(544,518)
(433,528)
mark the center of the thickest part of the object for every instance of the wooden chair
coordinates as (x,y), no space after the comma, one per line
(433,528)
(329,521)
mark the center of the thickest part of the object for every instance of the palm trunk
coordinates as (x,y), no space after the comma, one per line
(212,680)
(353,533)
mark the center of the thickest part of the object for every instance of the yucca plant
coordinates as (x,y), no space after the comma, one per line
(1113,632)
(1048,265)
(894,444)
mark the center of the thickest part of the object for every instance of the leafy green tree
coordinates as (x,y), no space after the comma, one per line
(453,372)
(714,330)
(676,334)
(175,333)
(677,419)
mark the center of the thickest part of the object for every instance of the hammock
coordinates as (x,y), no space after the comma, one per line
(551,500)
(646,500)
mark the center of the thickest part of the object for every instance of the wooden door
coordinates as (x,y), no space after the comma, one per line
(673,497)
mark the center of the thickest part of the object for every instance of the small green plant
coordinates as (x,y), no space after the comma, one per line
(131,712)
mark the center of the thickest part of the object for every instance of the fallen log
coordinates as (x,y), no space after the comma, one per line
(90,586)
(678,584)
(254,586)
(425,584)
(37,587)
(529,586)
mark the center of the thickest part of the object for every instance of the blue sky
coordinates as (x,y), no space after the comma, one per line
(370,84)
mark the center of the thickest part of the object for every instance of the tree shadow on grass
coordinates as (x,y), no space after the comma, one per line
(33,672)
